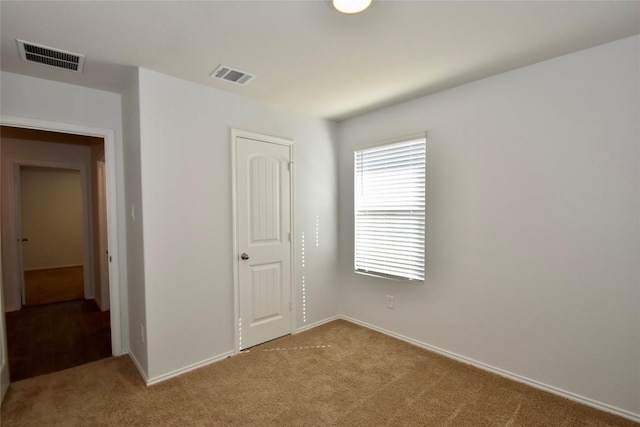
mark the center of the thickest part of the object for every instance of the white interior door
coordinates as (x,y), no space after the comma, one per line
(263,195)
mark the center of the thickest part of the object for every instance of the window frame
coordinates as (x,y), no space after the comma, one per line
(380,144)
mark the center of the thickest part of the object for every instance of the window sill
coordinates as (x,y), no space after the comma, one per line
(389,277)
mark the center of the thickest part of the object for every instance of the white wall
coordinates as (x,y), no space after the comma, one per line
(533,206)
(186,199)
(46,100)
(135,243)
(533,237)
(51,217)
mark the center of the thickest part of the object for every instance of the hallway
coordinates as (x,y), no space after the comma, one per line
(53,337)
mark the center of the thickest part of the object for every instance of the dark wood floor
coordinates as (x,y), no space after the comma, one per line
(53,337)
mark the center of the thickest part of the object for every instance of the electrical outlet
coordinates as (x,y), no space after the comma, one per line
(390,301)
(141,332)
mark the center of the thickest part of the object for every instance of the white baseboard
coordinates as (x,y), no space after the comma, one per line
(164,377)
(506,374)
(123,351)
(316,324)
(485,367)
(137,365)
(101,306)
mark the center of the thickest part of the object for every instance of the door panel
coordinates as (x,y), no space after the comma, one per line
(263,197)
(266,288)
(264,205)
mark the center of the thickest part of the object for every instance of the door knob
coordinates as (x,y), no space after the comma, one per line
(244,256)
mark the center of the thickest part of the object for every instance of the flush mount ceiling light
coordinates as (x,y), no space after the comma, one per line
(351,6)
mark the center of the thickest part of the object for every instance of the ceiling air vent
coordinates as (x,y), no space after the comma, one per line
(227,73)
(32,52)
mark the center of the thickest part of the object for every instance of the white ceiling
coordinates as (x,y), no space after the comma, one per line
(308,57)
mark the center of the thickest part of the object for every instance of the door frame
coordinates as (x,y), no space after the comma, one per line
(235,134)
(108,135)
(15,220)
(103,242)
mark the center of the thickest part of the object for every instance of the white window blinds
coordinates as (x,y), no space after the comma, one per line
(390,210)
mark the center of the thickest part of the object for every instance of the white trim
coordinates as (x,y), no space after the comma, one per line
(318,323)
(4,383)
(292,236)
(137,365)
(405,138)
(235,134)
(194,366)
(505,374)
(450,355)
(234,253)
(209,361)
(112,212)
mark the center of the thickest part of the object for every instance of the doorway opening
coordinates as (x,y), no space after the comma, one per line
(56,294)
(51,217)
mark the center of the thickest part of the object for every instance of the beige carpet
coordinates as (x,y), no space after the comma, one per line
(336,374)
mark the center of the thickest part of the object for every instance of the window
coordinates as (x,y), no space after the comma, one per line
(390,210)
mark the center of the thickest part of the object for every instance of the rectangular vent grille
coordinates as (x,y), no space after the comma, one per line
(32,52)
(236,76)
